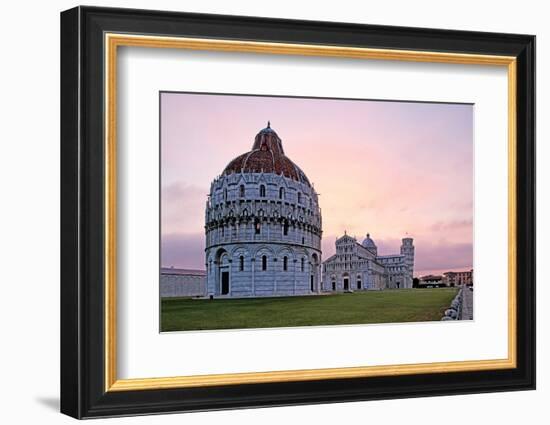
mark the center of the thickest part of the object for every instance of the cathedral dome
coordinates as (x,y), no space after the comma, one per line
(369,243)
(267,156)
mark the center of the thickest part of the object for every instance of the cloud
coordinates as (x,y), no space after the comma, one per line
(433,255)
(182,208)
(185,250)
(384,167)
(444,256)
(182,250)
(453,225)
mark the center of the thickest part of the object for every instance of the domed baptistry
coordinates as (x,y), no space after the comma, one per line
(263,226)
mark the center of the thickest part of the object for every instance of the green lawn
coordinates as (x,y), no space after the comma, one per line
(389,306)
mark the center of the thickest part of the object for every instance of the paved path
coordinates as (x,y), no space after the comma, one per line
(467,304)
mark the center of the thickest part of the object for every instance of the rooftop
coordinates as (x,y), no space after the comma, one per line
(267,156)
(182,272)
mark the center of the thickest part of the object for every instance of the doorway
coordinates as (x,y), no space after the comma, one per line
(346,284)
(225,283)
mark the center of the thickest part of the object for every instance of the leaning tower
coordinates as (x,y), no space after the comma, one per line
(407,249)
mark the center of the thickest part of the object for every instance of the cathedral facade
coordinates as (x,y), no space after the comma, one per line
(263,226)
(358,267)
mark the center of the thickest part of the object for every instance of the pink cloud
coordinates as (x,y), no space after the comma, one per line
(388,168)
(182,207)
(181,250)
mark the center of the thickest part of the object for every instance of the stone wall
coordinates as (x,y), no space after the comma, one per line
(182,283)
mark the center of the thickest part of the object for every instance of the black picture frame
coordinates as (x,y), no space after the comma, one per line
(83,392)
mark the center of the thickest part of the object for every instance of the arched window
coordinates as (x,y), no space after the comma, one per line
(302,265)
(282,193)
(241,263)
(264,263)
(225,194)
(223,231)
(285,228)
(299,197)
(241,191)
(257,226)
(285,263)
(262,191)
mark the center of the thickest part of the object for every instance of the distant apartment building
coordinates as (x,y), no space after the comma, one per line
(459,278)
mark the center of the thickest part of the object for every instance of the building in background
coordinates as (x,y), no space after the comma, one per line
(263,226)
(182,282)
(358,266)
(459,278)
(432,280)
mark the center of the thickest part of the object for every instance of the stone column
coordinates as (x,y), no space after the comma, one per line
(253,263)
(294,288)
(319,275)
(230,261)
(275,275)
(216,277)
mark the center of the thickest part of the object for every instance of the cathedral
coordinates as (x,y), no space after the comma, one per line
(263,226)
(358,267)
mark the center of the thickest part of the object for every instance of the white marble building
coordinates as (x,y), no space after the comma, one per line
(358,267)
(263,226)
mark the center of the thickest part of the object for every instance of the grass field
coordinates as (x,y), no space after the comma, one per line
(390,306)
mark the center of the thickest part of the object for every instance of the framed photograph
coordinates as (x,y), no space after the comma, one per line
(261,212)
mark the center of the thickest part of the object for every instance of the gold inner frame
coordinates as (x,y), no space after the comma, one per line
(113,41)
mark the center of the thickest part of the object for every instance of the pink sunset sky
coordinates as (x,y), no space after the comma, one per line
(388,168)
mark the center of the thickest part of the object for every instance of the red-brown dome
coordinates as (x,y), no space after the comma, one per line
(267,155)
